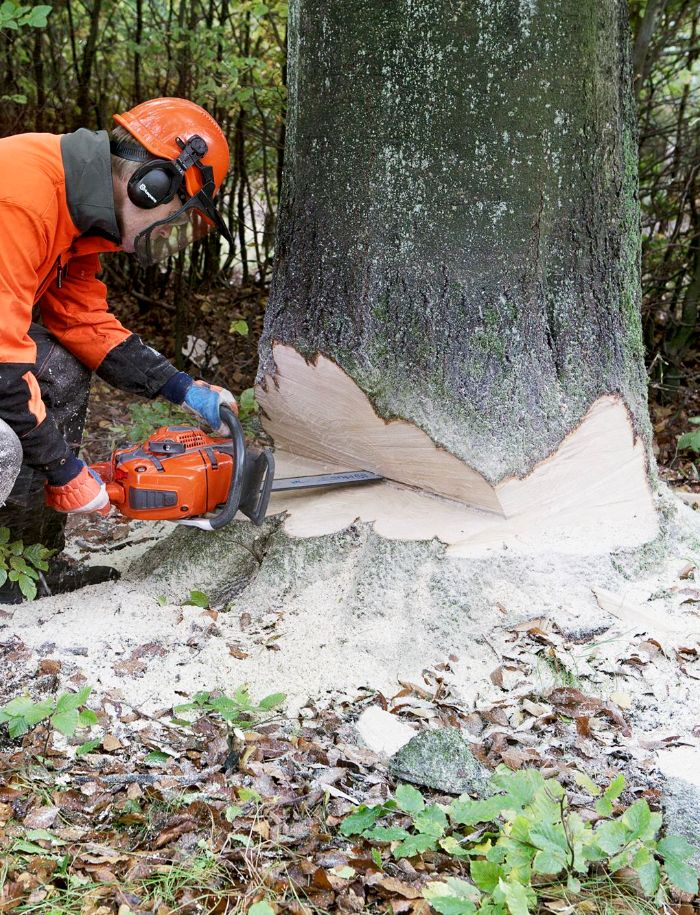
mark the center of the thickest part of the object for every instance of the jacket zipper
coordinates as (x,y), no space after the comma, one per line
(60,273)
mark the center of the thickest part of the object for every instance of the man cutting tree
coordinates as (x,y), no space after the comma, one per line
(147,189)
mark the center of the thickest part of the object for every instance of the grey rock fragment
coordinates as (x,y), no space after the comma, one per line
(440,759)
(681,807)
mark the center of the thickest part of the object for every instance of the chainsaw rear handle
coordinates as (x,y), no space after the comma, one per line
(235,492)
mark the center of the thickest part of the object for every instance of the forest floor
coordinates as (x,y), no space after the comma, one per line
(149,808)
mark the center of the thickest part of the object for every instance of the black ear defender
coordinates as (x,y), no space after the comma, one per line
(158,180)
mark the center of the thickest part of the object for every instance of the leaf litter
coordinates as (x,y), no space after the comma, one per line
(167,813)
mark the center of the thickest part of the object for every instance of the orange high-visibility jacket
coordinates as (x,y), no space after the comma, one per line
(56,217)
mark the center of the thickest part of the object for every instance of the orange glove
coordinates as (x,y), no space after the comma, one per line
(84,493)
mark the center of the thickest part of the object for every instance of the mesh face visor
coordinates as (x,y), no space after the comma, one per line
(167,237)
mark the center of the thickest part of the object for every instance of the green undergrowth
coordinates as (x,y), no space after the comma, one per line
(22,564)
(524,845)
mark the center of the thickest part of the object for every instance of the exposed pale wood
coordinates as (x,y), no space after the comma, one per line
(591,493)
(316,410)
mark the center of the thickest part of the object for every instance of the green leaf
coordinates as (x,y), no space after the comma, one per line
(28,848)
(610,836)
(486,875)
(615,788)
(409,799)
(66,722)
(521,786)
(239,327)
(43,834)
(87,718)
(26,585)
(690,441)
(681,874)
(38,16)
(232,813)
(272,701)
(3,576)
(17,727)
(468,812)
(156,758)
(88,747)
(648,871)
(550,861)
(451,897)
(452,905)
(453,847)
(261,908)
(69,701)
(415,845)
(19,706)
(636,818)
(385,834)
(38,712)
(675,847)
(586,782)
(363,818)
(549,837)
(431,821)
(516,897)
(197,599)
(247,404)
(376,856)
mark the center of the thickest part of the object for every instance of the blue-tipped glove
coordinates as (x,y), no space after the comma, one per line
(205,400)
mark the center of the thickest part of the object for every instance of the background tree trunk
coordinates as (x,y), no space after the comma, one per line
(459,226)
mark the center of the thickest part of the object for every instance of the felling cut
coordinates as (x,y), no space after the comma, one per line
(591,494)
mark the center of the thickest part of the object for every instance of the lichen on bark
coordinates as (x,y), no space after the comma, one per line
(459,226)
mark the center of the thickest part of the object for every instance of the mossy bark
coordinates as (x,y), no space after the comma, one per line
(459,227)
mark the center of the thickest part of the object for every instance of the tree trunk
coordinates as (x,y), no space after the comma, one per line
(458,251)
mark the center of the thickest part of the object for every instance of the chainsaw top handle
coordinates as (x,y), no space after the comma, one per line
(235,492)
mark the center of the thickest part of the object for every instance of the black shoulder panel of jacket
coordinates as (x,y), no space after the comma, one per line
(87,164)
(136,368)
(43,445)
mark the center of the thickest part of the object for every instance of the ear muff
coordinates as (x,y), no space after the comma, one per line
(154,183)
(158,180)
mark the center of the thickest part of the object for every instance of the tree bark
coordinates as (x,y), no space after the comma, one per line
(459,224)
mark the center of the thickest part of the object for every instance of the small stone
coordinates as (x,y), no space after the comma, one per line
(440,759)
(383,732)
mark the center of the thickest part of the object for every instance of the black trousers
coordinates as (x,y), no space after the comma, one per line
(65,388)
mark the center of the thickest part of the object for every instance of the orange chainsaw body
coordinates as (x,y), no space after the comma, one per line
(179,472)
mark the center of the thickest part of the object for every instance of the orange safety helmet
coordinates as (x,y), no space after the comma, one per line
(188,148)
(158,123)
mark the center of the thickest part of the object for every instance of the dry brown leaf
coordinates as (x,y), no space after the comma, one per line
(40,817)
(49,666)
(111,743)
(393,886)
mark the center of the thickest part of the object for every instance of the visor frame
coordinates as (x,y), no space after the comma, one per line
(202,203)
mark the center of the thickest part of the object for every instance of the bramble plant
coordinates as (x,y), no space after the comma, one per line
(524,839)
(238,711)
(145,418)
(21,563)
(66,713)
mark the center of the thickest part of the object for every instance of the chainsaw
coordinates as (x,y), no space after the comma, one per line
(182,474)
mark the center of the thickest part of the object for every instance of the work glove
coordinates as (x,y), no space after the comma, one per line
(83,493)
(205,400)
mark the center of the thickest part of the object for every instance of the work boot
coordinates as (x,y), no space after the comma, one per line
(61,577)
